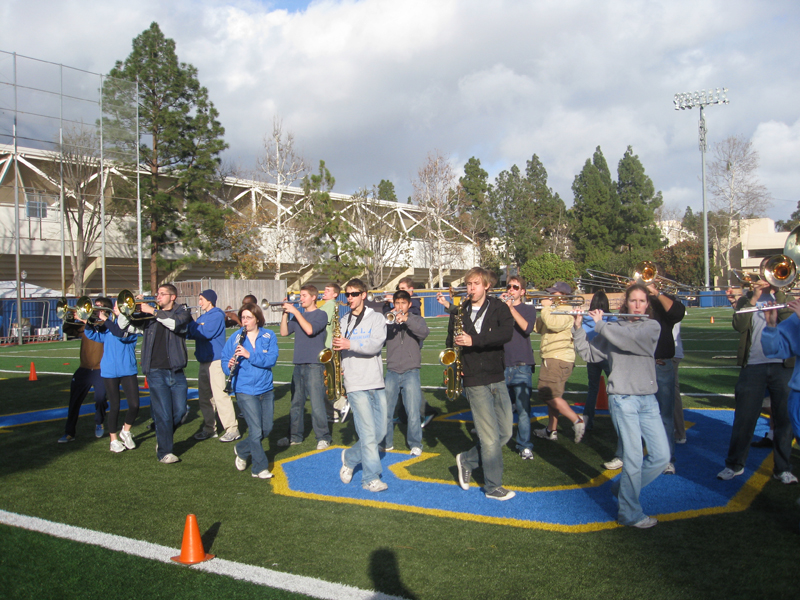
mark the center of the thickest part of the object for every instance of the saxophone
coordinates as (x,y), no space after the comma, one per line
(332,359)
(451,357)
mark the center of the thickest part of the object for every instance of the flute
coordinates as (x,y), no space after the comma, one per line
(581,313)
(753,309)
(235,367)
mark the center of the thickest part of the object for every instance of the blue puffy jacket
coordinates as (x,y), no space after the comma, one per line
(119,353)
(254,374)
(209,333)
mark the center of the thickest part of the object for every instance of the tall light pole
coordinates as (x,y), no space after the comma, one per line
(702,99)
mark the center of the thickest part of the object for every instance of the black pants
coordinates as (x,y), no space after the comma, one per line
(130,385)
(82,381)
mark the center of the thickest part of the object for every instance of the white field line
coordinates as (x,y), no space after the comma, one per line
(309,586)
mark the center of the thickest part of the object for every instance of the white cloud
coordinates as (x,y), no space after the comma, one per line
(372,86)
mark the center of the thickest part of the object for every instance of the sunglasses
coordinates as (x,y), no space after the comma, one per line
(352,294)
(512,286)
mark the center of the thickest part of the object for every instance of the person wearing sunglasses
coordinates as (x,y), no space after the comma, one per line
(363,336)
(519,362)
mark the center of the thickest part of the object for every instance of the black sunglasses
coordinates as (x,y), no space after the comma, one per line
(512,286)
(352,294)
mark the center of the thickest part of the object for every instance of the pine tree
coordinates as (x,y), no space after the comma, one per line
(638,201)
(595,211)
(181,155)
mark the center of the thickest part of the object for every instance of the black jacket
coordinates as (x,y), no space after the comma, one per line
(482,363)
(175,322)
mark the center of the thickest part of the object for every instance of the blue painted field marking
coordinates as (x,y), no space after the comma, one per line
(692,492)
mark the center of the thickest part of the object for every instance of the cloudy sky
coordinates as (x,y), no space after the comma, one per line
(373,86)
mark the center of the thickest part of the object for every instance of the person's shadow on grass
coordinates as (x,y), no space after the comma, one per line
(385,574)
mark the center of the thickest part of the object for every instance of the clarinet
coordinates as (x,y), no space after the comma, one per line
(235,368)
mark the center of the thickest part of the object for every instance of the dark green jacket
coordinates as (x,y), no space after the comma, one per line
(742,322)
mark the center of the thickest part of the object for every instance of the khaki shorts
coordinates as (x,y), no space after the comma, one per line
(553,378)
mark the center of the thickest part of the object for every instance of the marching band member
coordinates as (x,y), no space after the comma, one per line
(629,345)
(487,326)
(519,362)
(164,359)
(595,370)
(248,358)
(406,284)
(208,331)
(86,377)
(118,367)
(558,360)
(404,339)
(760,371)
(783,341)
(308,377)
(364,335)
(667,311)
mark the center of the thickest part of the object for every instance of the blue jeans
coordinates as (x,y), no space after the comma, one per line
(665,396)
(409,384)
(595,372)
(369,414)
(494,421)
(637,418)
(258,412)
(520,385)
(749,394)
(168,391)
(308,380)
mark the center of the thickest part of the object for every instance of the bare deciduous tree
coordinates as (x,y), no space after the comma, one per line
(378,230)
(736,191)
(282,166)
(435,191)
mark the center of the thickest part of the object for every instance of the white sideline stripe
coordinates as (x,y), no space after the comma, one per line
(259,575)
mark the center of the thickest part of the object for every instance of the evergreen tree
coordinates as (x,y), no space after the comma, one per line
(506,199)
(794,221)
(336,255)
(476,219)
(549,226)
(386,191)
(185,140)
(638,201)
(595,211)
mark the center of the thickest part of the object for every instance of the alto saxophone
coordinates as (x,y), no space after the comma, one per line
(332,359)
(451,357)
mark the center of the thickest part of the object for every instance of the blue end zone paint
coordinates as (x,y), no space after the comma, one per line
(693,491)
(87,408)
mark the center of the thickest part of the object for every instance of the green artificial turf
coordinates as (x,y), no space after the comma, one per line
(749,554)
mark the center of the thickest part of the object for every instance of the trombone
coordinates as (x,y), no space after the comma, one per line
(536,298)
(580,313)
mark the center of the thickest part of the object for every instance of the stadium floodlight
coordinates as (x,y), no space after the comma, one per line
(701,99)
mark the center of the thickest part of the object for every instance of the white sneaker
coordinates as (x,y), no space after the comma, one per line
(265,474)
(169,459)
(343,412)
(614,464)
(728,473)
(230,436)
(416,452)
(669,469)
(526,454)
(786,478)
(345,473)
(579,428)
(376,485)
(241,464)
(127,439)
(646,523)
(117,446)
(322,444)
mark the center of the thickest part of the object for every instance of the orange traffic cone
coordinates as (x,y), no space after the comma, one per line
(147,387)
(712,320)
(32,376)
(192,551)
(602,395)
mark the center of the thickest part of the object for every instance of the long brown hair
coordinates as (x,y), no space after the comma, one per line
(631,289)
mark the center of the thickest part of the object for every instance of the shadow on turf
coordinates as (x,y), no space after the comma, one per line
(385,574)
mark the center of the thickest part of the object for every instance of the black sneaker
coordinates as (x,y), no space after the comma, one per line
(501,494)
(464,473)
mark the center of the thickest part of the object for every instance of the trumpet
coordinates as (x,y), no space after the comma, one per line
(746,279)
(536,298)
(779,271)
(391,317)
(127,306)
(278,306)
(380,296)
